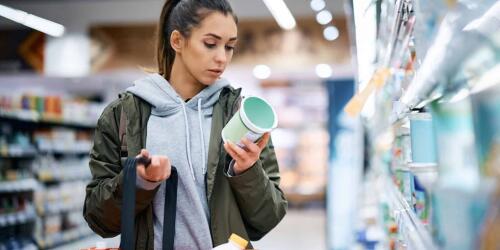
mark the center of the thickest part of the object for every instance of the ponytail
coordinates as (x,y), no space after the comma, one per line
(165,55)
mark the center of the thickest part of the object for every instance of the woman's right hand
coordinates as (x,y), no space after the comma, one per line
(158,170)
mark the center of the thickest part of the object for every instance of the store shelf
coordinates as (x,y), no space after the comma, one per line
(25,243)
(417,234)
(25,154)
(55,208)
(61,238)
(69,174)
(17,218)
(29,154)
(18,185)
(65,152)
(31,117)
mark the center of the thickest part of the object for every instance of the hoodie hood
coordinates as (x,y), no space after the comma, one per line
(165,101)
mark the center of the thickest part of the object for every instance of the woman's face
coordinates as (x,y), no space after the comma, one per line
(210,47)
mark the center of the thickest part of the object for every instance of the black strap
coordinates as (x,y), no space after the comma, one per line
(128,207)
(170,210)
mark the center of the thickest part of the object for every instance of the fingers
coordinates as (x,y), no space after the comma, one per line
(251,147)
(158,170)
(263,141)
(155,162)
(165,167)
(241,153)
(144,153)
(229,148)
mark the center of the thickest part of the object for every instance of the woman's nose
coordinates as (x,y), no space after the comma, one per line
(220,56)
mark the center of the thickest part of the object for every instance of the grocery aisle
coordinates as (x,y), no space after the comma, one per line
(56,79)
(388,111)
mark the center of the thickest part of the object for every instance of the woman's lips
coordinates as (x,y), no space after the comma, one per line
(215,72)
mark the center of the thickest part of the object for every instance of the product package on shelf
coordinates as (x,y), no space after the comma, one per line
(59,210)
(486,110)
(461,194)
(50,108)
(61,140)
(15,144)
(17,215)
(455,41)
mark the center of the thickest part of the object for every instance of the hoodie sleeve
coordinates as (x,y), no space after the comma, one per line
(102,207)
(261,201)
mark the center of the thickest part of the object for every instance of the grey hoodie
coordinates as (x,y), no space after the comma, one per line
(181,131)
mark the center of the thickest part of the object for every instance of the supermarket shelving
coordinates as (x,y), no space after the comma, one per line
(54,208)
(17,218)
(45,177)
(69,236)
(414,83)
(22,185)
(417,234)
(34,118)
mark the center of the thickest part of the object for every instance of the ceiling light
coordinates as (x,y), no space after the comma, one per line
(32,21)
(318,5)
(281,13)
(262,71)
(324,70)
(324,17)
(331,33)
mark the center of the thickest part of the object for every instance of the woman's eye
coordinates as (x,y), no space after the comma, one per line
(229,47)
(210,45)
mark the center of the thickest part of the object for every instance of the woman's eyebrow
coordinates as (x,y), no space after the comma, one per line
(219,37)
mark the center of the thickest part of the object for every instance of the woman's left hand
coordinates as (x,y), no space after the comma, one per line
(247,157)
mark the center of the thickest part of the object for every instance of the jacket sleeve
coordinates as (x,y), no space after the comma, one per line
(261,201)
(104,192)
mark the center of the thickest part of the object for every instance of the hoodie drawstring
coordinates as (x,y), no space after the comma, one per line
(188,148)
(188,139)
(203,155)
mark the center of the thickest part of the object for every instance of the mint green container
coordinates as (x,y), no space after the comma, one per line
(255,117)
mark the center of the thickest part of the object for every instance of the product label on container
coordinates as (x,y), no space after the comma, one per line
(252,136)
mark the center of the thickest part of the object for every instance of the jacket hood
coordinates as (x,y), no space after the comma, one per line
(165,101)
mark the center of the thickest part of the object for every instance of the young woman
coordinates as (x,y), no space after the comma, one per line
(175,118)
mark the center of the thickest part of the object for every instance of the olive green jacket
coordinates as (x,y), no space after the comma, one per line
(250,204)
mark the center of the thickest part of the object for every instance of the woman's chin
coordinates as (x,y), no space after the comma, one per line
(208,80)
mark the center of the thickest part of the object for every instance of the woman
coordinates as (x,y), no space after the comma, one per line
(175,118)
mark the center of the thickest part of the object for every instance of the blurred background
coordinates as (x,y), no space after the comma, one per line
(389,115)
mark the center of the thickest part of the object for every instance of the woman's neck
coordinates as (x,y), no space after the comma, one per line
(183,81)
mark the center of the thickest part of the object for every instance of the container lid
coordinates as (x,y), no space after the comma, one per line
(258,115)
(240,242)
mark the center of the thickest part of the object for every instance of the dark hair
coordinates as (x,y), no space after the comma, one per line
(183,16)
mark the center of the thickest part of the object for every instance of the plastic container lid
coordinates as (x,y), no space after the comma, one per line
(250,107)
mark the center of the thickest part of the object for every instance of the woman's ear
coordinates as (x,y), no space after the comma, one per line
(176,41)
